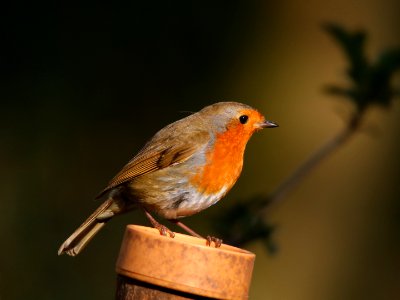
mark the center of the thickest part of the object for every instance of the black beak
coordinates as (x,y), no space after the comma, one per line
(268,124)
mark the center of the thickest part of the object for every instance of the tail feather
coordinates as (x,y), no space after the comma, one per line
(79,239)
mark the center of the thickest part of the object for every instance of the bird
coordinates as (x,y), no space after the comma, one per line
(186,167)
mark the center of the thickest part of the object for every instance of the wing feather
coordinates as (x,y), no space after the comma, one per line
(156,155)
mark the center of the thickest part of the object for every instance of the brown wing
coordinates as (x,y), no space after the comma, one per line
(155,156)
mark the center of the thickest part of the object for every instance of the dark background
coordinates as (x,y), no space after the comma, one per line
(83,87)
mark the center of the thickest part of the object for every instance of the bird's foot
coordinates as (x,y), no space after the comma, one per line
(211,239)
(164,230)
(161,228)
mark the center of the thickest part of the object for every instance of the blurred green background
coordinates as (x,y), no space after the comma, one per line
(83,87)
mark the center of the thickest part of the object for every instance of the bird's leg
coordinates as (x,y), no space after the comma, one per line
(163,229)
(209,239)
(186,228)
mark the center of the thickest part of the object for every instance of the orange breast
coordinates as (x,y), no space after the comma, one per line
(223,162)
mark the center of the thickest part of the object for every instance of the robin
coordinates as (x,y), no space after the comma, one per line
(186,167)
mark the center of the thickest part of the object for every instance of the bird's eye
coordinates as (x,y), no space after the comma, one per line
(243,119)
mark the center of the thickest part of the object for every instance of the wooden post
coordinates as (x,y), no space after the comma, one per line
(151,266)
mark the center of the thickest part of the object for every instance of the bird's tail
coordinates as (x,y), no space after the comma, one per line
(79,239)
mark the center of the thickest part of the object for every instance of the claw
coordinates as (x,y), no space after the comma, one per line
(210,239)
(164,230)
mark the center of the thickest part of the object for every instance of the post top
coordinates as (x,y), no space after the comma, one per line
(185,263)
